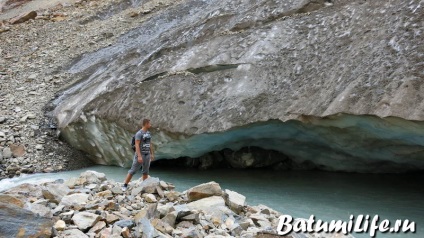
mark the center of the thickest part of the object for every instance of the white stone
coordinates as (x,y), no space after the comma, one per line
(150,198)
(85,220)
(93,176)
(74,199)
(55,192)
(60,225)
(234,200)
(207,204)
(74,233)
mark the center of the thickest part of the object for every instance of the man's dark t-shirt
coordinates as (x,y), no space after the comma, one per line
(144,138)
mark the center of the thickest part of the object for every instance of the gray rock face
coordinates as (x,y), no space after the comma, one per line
(339,86)
(15,220)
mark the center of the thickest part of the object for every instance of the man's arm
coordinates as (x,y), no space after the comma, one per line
(152,156)
(137,149)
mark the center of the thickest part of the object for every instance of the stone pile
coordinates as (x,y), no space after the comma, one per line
(92,206)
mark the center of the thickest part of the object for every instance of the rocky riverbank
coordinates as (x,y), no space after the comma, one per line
(92,206)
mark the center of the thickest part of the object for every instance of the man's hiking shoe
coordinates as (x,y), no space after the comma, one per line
(124,188)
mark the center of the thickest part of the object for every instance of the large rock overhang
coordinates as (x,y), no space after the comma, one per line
(210,75)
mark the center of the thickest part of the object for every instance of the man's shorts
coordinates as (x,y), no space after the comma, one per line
(136,165)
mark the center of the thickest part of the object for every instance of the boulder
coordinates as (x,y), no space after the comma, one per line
(9,199)
(23,17)
(150,198)
(17,150)
(57,210)
(106,233)
(41,201)
(172,195)
(76,199)
(116,231)
(190,232)
(147,186)
(162,226)
(31,190)
(93,177)
(170,218)
(207,204)
(67,216)
(111,218)
(144,228)
(148,212)
(117,190)
(98,227)
(18,222)
(72,233)
(181,210)
(105,194)
(126,233)
(54,192)
(163,209)
(204,190)
(163,184)
(60,225)
(125,223)
(72,182)
(7,153)
(235,201)
(39,209)
(194,217)
(260,220)
(160,192)
(85,220)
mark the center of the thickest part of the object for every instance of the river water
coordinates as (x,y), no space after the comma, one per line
(328,196)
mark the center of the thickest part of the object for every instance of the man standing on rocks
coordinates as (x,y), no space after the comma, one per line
(143,153)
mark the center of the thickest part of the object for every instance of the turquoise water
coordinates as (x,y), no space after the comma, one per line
(326,195)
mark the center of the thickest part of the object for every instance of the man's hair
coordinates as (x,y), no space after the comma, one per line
(145,121)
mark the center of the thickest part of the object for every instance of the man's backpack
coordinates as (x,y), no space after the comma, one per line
(133,143)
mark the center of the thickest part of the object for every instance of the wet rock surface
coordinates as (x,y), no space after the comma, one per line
(19,222)
(142,214)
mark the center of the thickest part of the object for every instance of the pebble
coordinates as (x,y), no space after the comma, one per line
(32,77)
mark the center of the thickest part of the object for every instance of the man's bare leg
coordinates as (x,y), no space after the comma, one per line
(145,176)
(128,179)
